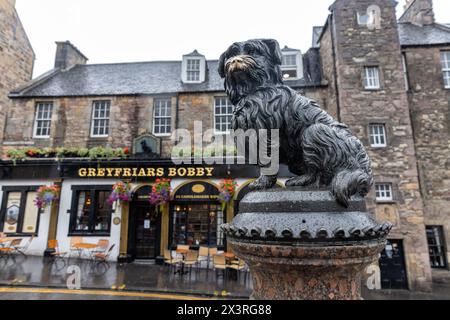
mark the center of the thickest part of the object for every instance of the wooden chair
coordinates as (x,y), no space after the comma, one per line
(22,249)
(191,260)
(73,242)
(203,255)
(239,266)
(102,246)
(57,255)
(213,252)
(100,259)
(171,261)
(220,263)
(7,254)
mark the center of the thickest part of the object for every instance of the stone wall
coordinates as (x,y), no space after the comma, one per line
(358,46)
(419,12)
(16,56)
(430,108)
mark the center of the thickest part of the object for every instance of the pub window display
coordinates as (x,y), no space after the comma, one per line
(91,212)
(19,215)
(197,225)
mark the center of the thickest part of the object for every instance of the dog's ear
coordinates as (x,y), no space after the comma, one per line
(274,49)
(222,61)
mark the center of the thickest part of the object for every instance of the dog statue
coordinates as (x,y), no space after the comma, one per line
(319,150)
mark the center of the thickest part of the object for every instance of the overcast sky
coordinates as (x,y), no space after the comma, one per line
(142,30)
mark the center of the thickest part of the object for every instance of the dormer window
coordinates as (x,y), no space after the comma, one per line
(193,68)
(292,66)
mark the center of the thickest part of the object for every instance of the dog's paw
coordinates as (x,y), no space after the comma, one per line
(263,182)
(302,181)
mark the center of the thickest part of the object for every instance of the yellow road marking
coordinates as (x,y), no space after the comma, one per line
(102,293)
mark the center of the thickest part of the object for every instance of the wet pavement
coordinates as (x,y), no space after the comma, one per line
(136,279)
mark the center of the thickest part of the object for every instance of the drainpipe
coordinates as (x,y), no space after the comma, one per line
(335,74)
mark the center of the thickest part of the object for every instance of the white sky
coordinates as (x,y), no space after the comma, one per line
(143,30)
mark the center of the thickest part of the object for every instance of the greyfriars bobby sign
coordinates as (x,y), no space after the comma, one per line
(147,146)
(313,239)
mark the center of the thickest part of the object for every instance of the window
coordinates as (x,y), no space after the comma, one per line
(43,119)
(289,65)
(405,71)
(377,134)
(371,78)
(197,225)
(100,118)
(162,117)
(91,212)
(436,247)
(19,215)
(223,112)
(445,58)
(193,70)
(383,192)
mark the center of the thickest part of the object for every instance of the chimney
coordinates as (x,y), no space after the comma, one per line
(67,55)
(418,12)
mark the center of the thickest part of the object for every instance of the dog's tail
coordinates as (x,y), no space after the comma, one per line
(350,182)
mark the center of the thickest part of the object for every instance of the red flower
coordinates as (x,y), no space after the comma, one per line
(126,150)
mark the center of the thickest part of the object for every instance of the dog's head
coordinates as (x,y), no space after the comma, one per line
(250,64)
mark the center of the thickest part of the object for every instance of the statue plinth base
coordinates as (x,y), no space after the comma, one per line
(301,245)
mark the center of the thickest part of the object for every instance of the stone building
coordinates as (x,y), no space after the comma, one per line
(16,56)
(387,78)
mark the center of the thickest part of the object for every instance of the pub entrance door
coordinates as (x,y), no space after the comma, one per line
(144,232)
(392,266)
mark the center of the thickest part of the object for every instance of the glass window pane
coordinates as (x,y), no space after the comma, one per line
(84,204)
(12,212)
(102,214)
(31,214)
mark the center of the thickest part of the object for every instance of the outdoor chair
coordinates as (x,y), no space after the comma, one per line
(73,249)
(102,246)
(171,261)
(191,260)
(239,266)
(58,255)
(203,255)
(6,253)
(22,249)
(182,247)
(102,258)
(220,263)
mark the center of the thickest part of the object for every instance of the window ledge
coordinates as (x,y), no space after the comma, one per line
(385,202)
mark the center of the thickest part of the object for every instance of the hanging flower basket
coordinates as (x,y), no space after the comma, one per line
(160,195)
(121,192)
(46,195)
(227,189)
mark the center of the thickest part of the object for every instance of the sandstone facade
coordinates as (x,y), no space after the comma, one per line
(16,56)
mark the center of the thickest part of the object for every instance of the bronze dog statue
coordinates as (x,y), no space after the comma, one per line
(319,150)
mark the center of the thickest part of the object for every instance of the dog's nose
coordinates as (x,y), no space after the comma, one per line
(237,59)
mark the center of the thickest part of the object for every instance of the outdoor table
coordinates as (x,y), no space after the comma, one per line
(84,246)
(183,252)
(229,257)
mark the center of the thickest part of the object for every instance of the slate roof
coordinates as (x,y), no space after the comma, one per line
(413,35)
(157,77)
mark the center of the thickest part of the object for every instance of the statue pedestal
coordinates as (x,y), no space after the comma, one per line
(301,245)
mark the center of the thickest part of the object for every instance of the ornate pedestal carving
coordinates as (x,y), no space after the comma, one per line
(300,244)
